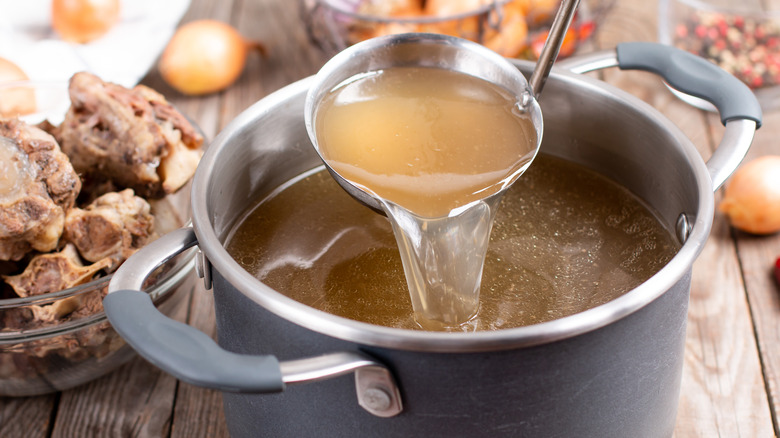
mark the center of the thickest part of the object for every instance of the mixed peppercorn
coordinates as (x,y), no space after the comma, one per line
(746,47)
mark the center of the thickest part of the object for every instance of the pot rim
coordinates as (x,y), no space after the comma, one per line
(417,340)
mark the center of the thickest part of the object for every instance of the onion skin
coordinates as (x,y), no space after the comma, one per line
(204,56)
(14,101)
(752,196)
(81,21)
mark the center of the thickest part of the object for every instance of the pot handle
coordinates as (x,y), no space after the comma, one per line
(739,109)
(193,357)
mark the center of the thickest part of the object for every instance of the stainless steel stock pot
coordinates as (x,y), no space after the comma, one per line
(611,371)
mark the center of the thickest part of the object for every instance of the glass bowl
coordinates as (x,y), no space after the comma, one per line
(80,347)
(513,28)
(59,340)
(743,38)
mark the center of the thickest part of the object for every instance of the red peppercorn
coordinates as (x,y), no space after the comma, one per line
(759,33)
(681,31)
(587,29)
(739,22)
(722,27)
(777,270)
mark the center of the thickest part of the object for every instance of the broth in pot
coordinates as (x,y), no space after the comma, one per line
(565,239)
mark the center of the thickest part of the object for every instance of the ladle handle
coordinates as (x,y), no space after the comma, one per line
(552,45)
(739,109)
(193,357)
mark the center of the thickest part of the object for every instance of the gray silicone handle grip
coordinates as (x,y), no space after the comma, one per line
(693,75)
(186,352)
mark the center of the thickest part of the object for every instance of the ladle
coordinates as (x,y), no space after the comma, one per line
(442,256)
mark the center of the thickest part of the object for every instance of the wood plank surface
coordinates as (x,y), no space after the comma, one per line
(732,357)
(29,417)
(135,400)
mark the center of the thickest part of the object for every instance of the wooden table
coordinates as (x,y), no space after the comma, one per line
(732,356)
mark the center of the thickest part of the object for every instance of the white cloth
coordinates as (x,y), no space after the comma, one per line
(123,55)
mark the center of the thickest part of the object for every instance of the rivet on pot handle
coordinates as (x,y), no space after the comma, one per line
(739,109)
(195,358)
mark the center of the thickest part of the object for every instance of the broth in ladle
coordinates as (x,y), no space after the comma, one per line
(565,239)
(428,139)
(434,146)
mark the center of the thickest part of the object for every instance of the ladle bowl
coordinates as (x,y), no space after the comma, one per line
(414,50)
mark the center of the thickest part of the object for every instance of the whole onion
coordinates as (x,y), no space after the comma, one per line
(82,21)
(205,56)
(14,101)
(752,196)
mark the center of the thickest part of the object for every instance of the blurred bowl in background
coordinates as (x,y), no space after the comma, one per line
(513,28)
(742,37)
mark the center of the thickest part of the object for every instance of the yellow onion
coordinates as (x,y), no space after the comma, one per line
(205,56)
(752,196)
(82,21)
(14,101)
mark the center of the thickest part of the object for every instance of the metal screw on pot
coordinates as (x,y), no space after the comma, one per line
(683,227)
(376,399)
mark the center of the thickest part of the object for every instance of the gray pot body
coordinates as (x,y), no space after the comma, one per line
(622,380)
